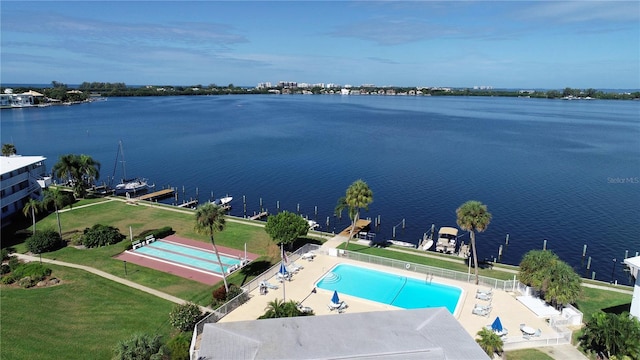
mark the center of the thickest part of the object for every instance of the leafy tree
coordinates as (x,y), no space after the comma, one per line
(209,220)
(184,316)
(612,335)
(8,149)
(59,199)
(358,196)
(101,235)
(490,342)
(32,207)
(473,216)
(279,309)
(286,227)
(44,241)
(141,347)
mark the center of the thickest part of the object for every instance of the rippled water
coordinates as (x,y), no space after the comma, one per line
(564,171)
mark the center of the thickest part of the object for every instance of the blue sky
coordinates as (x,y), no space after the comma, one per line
(504,44)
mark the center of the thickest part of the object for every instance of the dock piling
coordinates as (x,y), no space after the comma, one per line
(584,250)
(589,263)
(506,241)
(544,245)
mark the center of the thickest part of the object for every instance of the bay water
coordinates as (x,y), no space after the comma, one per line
(567,172)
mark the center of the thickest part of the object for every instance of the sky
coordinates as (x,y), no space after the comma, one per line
(503,44)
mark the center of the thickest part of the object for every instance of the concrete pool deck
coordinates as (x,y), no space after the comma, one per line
(512,313)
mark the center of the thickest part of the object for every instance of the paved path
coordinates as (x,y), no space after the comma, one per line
(105,275)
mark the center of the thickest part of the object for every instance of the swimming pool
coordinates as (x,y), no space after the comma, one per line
(186,255)
(391,289)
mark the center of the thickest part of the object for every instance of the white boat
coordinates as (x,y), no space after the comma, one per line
(447,240)
(313,225)
(224,201)
(130,187)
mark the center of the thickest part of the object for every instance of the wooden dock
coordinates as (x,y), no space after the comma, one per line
(157,194)
(361,224)
(188,204)
(259,216)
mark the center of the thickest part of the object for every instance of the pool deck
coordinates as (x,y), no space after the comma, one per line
(512,312)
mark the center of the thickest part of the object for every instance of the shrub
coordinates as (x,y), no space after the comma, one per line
(179,346)
(184,316)
(219,294)
(142,347)
(14,262)
(5,269)
(27,274)
(44,241)
(101,235)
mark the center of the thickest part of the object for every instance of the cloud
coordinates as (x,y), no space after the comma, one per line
(62,26)
(565,12)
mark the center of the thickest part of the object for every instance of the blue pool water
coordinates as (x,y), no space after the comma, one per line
(201,259)
(387,288)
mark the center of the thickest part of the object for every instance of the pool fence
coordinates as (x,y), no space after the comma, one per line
(560,324)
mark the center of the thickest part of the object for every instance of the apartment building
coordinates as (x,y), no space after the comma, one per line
(21,178)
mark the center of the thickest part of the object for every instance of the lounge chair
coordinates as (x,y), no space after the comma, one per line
(482,307)
(484,296)
(337,306)
(537,333)
(295,267)
(485,292)
(482,312)
(308,256)
(269,285)
(304,309)
(281,278)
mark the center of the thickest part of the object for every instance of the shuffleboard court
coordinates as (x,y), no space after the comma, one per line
(186,258)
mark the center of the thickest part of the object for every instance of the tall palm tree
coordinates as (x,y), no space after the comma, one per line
(8,149)
(210,219)
(89,168)
(58,199)
(32,207)
(473,216)
(490,342)
(358,196)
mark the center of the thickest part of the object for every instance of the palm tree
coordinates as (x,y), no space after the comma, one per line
(58,199)
(564,287)
(32,207)
(89,169)
(473,216)
(210,219)
(141,347)
(8,149)
(358,196)
(490,342)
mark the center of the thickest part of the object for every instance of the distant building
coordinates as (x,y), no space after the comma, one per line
(21,178)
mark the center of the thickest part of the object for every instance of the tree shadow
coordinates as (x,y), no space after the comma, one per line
(254,269)
(300,242)
(618,309)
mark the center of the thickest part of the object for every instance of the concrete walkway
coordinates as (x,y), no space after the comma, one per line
(160,294)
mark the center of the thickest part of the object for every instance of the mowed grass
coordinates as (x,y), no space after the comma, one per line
(527,354)
(84,317)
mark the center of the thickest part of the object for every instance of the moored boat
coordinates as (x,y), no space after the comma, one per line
(447,240)
(130,187)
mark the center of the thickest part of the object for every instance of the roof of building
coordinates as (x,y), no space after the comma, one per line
(407,334)
(15,162)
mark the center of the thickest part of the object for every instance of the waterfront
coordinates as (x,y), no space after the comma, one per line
(564,171)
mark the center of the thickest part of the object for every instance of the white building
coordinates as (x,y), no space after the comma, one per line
(21,178)
(634,267)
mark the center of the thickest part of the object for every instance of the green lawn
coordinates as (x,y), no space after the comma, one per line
(527,354)
(84,317)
